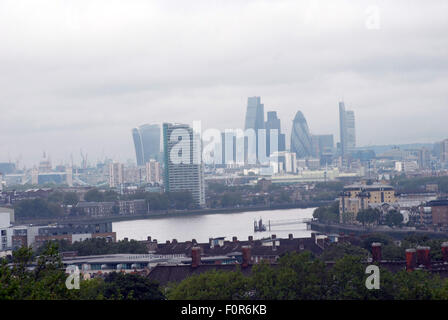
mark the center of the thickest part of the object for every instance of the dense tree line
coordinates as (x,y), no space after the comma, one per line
(304,277)
(37,208)
(327,213)
(47,281)
(405,184)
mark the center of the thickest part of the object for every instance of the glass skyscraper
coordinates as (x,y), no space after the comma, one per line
(273,123)
(347,129)
(254,114)
(146,142)
(301,142)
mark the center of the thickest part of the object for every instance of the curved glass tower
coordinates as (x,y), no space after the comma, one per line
(146,142)
(300,137)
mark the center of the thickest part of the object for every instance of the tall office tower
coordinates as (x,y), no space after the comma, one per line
(326,148)
(254,120)
(184,170)
(153,171)
(444,151)
(273,123)
(315,148)
(300,137)
(146,142)
(347,129)
(254,114)
(424,158)
(116,174)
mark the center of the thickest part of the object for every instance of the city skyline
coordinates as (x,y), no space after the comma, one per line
(62,63)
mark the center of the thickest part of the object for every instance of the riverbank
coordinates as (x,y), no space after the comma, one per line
(171,213)
(359,230)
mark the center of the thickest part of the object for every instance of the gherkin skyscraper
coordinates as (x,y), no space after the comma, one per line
(300,137)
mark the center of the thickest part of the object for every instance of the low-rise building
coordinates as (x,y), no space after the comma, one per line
(357,197)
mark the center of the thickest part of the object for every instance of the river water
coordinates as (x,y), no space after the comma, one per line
(202,227)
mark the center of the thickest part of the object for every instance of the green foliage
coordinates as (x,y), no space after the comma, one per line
(327,213)
(231,199)
(297,277)
(376,237)
(119,286)
(303,277)
(37,208)
(181,200)
(45,282)
(337,251)
(394,218)
(95,195)
(213,285)
(70,198)
(368,216)
(417,184)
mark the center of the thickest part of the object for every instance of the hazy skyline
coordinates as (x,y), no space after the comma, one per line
(81,75)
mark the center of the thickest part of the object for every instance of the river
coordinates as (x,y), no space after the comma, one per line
(204,226)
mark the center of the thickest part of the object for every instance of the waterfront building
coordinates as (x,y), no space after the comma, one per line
(357,197)
(184,169)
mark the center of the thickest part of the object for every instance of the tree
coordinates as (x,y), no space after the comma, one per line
(212,285)
(337,251)
(118,286)
(394,218)
(231,199)
(46,281)
(37,208)
(71,198)
(94,195)
(327,213)
(368,216)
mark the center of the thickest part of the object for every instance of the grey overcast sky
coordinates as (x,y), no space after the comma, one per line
(81,74)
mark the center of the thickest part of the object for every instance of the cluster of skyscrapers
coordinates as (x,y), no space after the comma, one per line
(183,167)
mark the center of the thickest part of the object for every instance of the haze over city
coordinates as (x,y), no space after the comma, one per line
(82,75)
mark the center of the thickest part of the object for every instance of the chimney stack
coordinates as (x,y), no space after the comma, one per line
(234,239)
(174,241)
(410,259)
(423,257)
(251,238)
(246,256)
(167,242)
(290,236)
(195,257)
(445,252)
(376,252)
(149,238)
(193,241)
